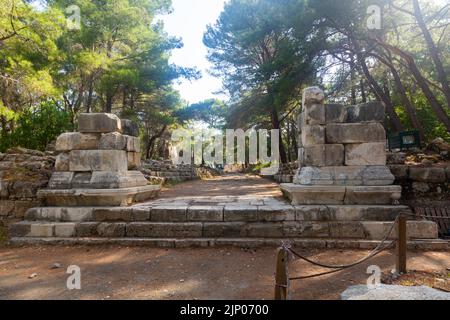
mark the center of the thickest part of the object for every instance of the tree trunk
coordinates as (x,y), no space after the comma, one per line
(108,104)
(363,91)
(393,117)
(276,125)
(410,110)
(434,53)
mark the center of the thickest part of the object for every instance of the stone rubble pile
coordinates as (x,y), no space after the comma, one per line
(342,155)
(170,172)
(22,173)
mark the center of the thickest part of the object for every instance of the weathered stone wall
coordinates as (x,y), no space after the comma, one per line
(22,173)
(167,171)
(286,172)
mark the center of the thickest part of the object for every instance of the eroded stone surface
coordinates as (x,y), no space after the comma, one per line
(348,133)
(365,154)
(99,123)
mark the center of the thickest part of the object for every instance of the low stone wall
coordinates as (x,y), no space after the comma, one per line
(167,171)
(423,185)
(22,173)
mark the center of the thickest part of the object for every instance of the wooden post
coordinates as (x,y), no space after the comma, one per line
(282,275)
(400,266)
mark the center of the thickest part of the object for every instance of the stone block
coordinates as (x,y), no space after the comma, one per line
(311,195)
(313,95)
(305,229)
(115,180)
(313,135)
(22,206)
(164,230)
(19,229)
(61,180)
(372,195)
(134,160)
(77,141)
(264,230)
(6,208)
(42,230)
(347,133)
(99,123)
(350,176)
(169,213)
(313,114)
(82,180)
(65,230)
(400,171)
(365,154)
(62,162)
(113,214)
(276,213)
(205,213)
(324,155)
(86,229)
(133,144)
(335,113)
(113,141)
(366,112)
(111,230)
(240,213)
(141,214)
(346,229)
(224,230)
(433,175)
(129,128)
(98,160)
(415,230)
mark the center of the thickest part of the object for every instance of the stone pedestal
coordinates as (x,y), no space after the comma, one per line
(342,155)
(93,167)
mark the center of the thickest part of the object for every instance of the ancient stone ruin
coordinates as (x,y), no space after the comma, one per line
(342,156)
(95,166)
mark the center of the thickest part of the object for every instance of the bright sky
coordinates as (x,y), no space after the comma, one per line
(188,21)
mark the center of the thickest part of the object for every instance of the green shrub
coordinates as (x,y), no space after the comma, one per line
(36,127)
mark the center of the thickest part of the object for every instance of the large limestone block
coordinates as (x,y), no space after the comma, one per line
(345,176)
(372,195)
(99,123)
(113,141)
(98,160)
(133,144)
(61,180)
(114,180)
(62,162)
(313,114)
(324,155)
(129,128)
(313,95)
(335,113)
(365,154)
(82,180)
(310,195)
(355,133)
(312,135)
(134,160)
(77,141)
(372,111)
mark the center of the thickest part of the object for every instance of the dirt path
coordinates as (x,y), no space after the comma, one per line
(143,273)
(228,185)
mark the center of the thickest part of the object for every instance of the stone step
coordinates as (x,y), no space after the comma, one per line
(365,230)
(433,245)
(225,213)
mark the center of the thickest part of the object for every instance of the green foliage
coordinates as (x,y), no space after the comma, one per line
(37,126)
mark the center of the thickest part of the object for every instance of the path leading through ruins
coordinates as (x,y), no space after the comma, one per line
(223,190)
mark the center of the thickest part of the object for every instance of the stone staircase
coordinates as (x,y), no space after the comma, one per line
(199,223)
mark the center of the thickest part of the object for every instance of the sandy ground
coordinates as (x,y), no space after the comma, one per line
(144,273)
